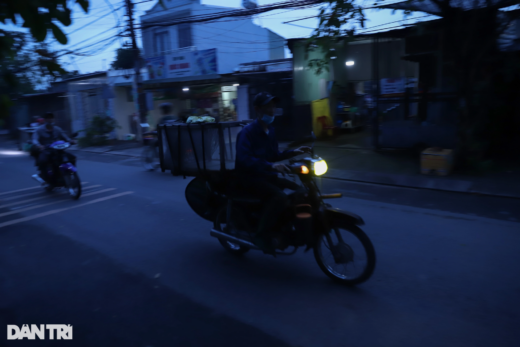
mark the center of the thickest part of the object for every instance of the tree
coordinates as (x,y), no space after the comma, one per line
(469,31)
(125,58)
(40,17)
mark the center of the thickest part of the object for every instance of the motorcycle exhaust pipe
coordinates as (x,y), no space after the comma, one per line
(38,179)
(227,237)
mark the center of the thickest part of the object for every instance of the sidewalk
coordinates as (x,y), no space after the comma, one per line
(392,168)
(113,150)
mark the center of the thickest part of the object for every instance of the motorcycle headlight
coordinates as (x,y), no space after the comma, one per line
(320,167)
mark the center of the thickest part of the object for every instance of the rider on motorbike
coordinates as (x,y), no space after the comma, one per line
(166,113)
(44,136)
(257,153)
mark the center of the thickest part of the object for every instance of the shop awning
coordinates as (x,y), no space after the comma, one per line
(184,79)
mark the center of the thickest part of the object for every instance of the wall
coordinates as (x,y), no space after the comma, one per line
(276,45)
(236,41)
(306,82)
(148,34)
(82,106)
(122,109)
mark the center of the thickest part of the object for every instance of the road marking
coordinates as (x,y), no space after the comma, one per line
(25,189)
(20,190)
(40,198)
(51,203)
(44,214)
(40,193)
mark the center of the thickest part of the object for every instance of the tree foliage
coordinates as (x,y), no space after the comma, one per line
(24,57)
(125,58)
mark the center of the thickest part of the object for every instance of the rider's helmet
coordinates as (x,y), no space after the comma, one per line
(165,108)
(264,98)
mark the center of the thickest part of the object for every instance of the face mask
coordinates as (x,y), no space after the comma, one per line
(267,119)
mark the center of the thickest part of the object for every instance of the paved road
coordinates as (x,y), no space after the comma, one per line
(131,265)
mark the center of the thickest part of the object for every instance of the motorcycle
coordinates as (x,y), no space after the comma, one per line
(61,172)
(308,221)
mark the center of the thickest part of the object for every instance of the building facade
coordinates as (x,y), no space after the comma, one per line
(191,65)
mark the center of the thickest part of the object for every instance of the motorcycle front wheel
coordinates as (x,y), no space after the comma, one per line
(73,185)
(346,254)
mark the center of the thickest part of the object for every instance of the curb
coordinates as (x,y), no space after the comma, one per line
(107,152)
(467,192)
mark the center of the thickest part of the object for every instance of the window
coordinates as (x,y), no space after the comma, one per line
(184,35)
(161,42)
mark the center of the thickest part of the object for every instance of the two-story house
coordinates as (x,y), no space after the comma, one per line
(191,65)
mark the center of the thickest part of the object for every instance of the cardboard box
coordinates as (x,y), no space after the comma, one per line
(437,161)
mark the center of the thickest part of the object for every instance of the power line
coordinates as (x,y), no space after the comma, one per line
(234,13)
(364,8)
(260,50)
(397,21)
(116,16)
(90,38)
(204,25)
(94,21)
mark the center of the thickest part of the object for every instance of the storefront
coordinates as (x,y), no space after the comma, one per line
(215,98)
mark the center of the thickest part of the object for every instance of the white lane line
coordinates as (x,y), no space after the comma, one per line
(44,214)
(20,190)
(37,193)
(40,198)
(25,189)
(51,203)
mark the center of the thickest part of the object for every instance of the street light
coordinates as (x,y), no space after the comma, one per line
(186,89)
(349,63)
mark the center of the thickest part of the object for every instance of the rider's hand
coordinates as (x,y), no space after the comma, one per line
(281,168)
(302,150)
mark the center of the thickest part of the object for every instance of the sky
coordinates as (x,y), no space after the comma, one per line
(84,31)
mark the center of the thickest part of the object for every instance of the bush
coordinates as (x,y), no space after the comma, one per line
(96,134)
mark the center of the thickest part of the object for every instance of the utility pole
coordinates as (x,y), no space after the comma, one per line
(140,106)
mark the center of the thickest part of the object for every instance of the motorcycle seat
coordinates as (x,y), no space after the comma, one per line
(242,198)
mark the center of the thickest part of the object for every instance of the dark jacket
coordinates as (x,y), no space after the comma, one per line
(257,151)
(43,137)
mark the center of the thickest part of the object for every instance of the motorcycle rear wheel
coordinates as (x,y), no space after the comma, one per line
(220,225)
(343,254)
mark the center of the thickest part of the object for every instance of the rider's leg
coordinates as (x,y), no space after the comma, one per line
(43,160)
(299,191)
(275,203)
(284,183)
(72,158)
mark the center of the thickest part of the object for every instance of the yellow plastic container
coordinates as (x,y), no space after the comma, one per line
(437,161)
